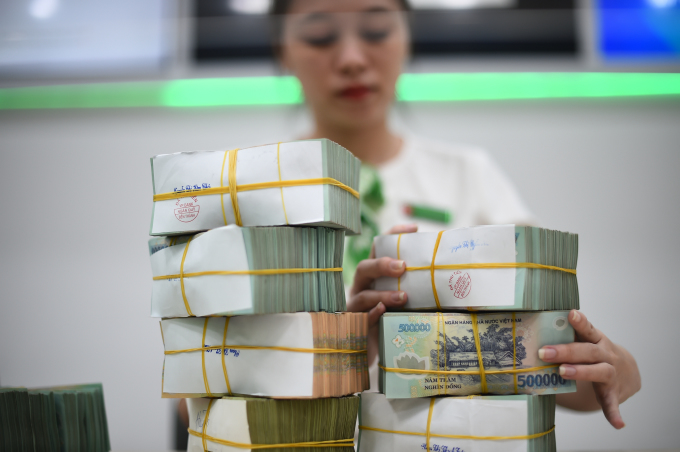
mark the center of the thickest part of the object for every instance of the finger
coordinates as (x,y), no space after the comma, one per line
(575,353)
(597,373)
(609,402)
(375,313)
(403,229)
(370,269)
(398,229)
(585,331)
(366,300)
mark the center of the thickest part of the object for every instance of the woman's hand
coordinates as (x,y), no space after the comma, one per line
(362,297)
(605,373)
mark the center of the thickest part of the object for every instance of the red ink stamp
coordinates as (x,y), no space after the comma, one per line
(186,209)
(460,283)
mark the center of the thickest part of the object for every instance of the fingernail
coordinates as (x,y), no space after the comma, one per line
(380,306)
(575,316)
(567,371)
(399,297)
(397,265)
(547,353)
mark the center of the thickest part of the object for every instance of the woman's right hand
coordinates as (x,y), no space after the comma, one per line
(362,296)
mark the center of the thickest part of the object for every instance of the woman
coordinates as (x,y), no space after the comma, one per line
(348,55)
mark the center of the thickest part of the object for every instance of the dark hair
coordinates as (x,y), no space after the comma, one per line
(282,7)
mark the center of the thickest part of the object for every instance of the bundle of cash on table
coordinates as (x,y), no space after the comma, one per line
(528,276)
(497,268)
(315,424)
(516,423)
(65,418)
(207,274)
(302,355)
(259,281)
(310,182)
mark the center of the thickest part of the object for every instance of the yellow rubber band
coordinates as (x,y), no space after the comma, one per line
(205,374)
(205,425)
(399,370)
(333,443)
(256,186)
(181,277)
(264,347)
(278,163)
(233,191)
(224,214)
(478,346)
(224,364)
(491,265)
(432,269)
(429,422)
(270,271)
(481,438)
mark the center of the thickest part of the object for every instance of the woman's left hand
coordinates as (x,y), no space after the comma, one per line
(606,374)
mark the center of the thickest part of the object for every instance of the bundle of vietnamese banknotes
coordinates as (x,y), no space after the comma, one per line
(234,270)
(301,355)
(234,423)
(69,418)
(430,354)
(505,267)
(309,182)
(518,423)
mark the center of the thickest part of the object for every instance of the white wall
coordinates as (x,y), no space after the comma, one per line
(75,210)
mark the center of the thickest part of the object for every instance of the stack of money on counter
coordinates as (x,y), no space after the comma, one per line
(301,355)
(310,182)
(509,268)
(55,419)
(246,257)
(221,424)
(232,270)
(518,423)
(472,380)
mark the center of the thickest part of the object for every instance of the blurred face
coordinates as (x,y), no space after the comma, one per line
(348,55)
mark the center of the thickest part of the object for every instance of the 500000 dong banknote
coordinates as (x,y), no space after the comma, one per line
(445,348)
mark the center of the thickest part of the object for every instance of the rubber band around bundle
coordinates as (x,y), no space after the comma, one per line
(269,271)
(428,434)
(349,442)
(256,186)
(480,438)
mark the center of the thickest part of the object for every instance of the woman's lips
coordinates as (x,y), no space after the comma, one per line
(357,92)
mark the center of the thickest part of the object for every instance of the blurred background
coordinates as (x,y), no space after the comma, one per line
(578,100)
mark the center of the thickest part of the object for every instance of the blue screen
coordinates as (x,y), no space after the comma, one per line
(639,29)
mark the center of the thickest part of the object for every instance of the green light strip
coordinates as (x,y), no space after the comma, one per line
(242,91)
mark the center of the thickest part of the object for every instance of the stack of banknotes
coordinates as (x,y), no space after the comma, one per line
(254,306)
(68,418)
(516,423)
(317,424)
(273,355)
(209,271)
(507,267)
(472,380)
(310,182)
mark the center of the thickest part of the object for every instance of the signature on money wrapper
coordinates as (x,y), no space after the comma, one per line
(468,245)
(440,448)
